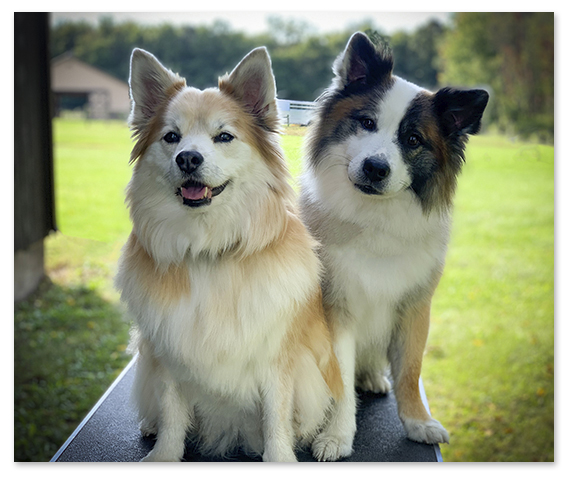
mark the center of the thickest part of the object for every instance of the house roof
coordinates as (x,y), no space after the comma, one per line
(72,74)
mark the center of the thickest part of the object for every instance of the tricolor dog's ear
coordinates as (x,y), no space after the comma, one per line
(252,84)
(362,63)
(150,86)
(460,111)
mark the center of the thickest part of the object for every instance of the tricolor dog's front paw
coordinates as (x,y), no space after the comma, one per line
(429,432)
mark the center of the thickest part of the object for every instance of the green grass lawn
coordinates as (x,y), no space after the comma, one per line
(489,366)
(91,172)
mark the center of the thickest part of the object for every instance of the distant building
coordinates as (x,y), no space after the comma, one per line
(77,85)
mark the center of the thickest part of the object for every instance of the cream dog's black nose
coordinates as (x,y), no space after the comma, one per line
(189,161)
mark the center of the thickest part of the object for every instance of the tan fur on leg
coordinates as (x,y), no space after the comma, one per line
(406,355)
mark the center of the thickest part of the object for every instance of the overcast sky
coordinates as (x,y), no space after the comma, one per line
(255,20)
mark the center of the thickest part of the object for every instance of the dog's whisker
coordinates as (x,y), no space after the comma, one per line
(331,166)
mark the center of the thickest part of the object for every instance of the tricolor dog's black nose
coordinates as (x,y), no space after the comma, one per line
(376,168)
(189,161)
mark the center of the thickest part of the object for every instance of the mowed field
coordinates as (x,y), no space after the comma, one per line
(489,365)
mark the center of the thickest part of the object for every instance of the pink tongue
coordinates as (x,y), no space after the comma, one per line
(194,193)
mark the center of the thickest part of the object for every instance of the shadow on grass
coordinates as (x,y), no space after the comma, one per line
(69,346)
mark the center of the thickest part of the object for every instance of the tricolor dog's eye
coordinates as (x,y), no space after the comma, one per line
(413,140)
(224,137)
(368,124)
(171,137)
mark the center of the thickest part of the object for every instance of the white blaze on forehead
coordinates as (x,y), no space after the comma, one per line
(383,141)
(194,110)
(390,112)
(394,104)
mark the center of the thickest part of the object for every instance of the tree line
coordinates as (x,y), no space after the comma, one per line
(510,54)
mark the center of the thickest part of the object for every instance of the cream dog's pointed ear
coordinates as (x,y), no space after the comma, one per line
(150,86)
(252,84)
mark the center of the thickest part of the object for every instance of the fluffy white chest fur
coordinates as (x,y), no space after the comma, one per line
(223,334)
(215,335)
(375,257)
(375,273)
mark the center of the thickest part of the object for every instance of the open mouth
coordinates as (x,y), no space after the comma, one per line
(197,194)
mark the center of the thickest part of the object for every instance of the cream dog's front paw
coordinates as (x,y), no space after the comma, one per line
(328,447)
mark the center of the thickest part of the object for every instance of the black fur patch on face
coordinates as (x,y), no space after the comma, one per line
(432,137)
(424,152)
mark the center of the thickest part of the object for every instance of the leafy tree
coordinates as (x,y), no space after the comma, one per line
(304,70)
(65,36)
(416,54)
(289,31)
(513,54)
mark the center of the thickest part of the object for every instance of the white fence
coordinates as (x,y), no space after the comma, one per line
(296,112)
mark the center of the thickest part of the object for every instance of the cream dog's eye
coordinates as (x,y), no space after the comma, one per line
(171,137)
(224,137)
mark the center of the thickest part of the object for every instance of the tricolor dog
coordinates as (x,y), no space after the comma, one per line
(219,273)
(382,158)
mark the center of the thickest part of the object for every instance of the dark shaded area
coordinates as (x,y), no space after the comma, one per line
(34,210)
